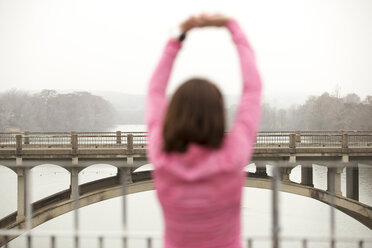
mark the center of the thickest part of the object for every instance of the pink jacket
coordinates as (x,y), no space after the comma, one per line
(200,190)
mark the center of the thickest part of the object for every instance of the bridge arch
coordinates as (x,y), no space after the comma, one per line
(92,193)
(145,167)
(90,173)
(9,177)
(43,175)
(296,170)
(251,168)
(58,165)
(5,165)
(8,169)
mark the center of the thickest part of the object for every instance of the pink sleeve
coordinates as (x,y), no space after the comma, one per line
(239,142)
(156,99)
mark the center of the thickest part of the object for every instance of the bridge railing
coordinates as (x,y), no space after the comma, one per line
(46,141)
(272,140)
(319,140)
(360,140)
(8,140)
(138,140)
(100,141)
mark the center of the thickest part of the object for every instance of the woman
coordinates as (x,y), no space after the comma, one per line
(198,169)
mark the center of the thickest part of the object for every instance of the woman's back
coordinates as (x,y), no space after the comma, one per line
(201,206)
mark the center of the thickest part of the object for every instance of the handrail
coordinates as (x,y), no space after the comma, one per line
(47,140)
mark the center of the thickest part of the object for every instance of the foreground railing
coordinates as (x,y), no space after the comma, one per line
(152,240)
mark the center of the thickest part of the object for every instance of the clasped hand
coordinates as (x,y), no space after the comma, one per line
(204,20)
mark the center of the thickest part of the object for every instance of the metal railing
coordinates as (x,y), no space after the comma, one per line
(320,140)
(7,140)
(272,140)
(283,139)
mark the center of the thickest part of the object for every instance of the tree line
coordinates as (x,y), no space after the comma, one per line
(53,111)
(324,112)
(49,110)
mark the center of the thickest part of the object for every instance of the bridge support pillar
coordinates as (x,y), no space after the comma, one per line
(128,175)
(128,170)
(285,171)
(260,169)
(307,174)
(285,168)
(21,197)
(334,180)
(74,179)
(74,183)
(352,182)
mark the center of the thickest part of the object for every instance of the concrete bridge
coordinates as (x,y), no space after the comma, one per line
(127,151)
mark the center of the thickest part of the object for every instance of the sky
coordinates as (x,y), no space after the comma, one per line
(303,47)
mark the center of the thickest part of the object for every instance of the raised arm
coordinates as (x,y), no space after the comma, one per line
(156,102)
(156,99)
(239,141)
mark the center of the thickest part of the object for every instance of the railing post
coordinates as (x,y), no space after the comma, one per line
(292,140)
(130,142)
(249,243)
(361,244)
(304,243)
(298,136)
(53,241)
(149,242)
(100,242)
(27,137)
(118,137)
(345,140)
(74,143)
(18,144)
(275,208)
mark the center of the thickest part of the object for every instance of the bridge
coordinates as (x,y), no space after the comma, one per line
(75,151)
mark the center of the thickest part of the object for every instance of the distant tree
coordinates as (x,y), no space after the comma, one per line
(51,111)
(368,100)
(352,98)
(324,112)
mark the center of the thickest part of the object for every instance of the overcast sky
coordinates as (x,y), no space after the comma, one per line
(303,47)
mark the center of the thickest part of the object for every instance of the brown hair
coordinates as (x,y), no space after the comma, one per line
(195,115)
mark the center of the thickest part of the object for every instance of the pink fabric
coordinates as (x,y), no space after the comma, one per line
(200,190)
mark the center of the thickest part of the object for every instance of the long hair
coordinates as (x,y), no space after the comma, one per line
(195,115)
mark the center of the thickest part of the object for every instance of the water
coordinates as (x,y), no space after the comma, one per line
(299,216)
